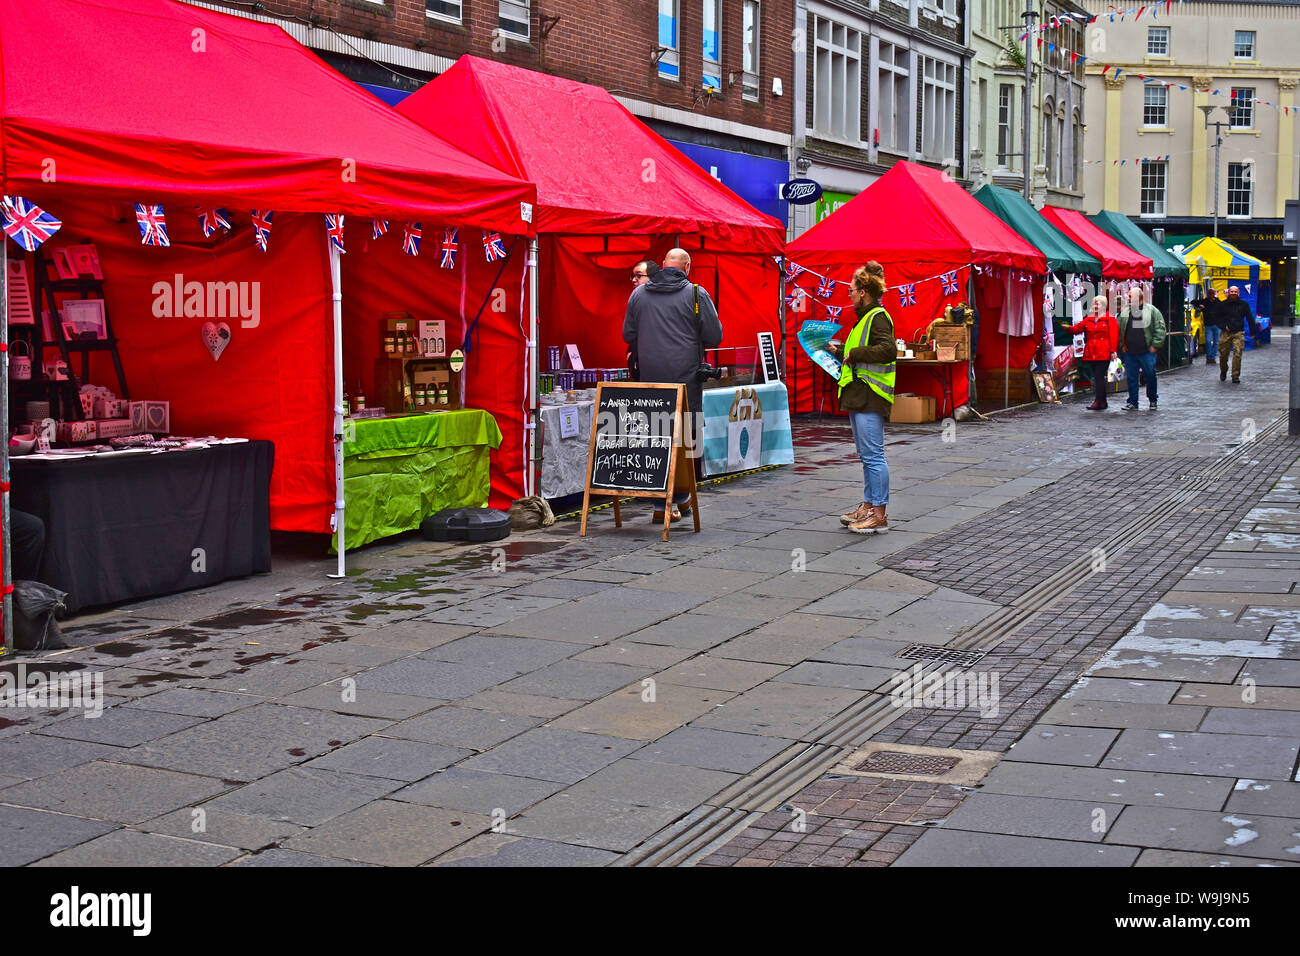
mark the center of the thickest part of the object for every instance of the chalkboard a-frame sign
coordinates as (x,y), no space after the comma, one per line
(636,448)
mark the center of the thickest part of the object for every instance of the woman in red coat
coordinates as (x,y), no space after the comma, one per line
(1100,343)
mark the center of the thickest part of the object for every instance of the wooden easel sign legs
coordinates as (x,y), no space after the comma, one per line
(636,449)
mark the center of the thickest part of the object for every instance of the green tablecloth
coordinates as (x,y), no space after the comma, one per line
(398,471)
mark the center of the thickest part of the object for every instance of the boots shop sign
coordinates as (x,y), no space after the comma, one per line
(801,192)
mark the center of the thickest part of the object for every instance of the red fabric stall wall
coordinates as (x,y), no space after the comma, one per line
(378,277)
(992,347)
(908,320)
(274,378)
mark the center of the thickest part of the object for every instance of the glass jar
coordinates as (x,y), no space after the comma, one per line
(390,343)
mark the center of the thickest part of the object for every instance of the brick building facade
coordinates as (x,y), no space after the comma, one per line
(715,77)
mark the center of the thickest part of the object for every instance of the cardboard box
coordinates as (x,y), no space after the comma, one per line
(113,428)
(912,409)
(69,432)
(112,408)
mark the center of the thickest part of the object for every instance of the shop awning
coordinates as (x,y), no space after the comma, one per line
(157,101)
(1223,260)
(1063,253)
(914,215)
(1118,261)
(598,169)
(1164,264)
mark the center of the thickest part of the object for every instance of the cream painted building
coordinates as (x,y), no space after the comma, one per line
(1056,103)
(1227,55)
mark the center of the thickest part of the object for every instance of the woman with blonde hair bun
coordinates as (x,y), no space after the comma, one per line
(866,392)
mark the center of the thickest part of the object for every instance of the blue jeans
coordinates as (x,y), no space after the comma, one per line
(1212,340)
(1146,361)
(869,437)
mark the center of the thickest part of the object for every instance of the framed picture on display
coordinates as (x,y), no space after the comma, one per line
(63,264)
(84,259)
(87,317)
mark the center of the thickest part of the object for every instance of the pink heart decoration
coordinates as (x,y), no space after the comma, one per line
(216,336)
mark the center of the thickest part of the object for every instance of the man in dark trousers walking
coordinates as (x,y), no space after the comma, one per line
(1209,305)
(1234,313)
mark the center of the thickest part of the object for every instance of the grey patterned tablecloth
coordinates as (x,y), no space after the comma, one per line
(564,460)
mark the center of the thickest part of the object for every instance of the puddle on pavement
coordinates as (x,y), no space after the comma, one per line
(243,662)
(150,680)
(6,722)
(36,663)
(250,618)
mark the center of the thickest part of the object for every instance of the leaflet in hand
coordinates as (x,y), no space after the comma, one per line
(814,336)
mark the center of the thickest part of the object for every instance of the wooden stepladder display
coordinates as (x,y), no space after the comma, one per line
(637,450)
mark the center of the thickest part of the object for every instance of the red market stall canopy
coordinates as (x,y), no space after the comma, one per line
(598,169)
(154,100)
(920,221)
(107,103)
(1118,261)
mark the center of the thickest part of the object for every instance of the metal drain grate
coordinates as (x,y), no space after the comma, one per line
(893,761)
(945,655)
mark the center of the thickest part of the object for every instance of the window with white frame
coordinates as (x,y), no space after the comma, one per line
(1004,124)
(1241,109)
(946,7)
(669,60)
(443,9)
(1058,175)
(513,17)
(1077,181)
(1157,41)
(1045,144)
(837,81)
(1240,181)
(1155,107)
(1154,180)
(749,55)
(1243,44)
(712,44)
(891,82)
(938,109)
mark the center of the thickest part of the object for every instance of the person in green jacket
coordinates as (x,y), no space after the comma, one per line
(870,354)
(1141,334)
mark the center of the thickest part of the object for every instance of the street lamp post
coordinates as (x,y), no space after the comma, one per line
(1218,142)
(1029,16)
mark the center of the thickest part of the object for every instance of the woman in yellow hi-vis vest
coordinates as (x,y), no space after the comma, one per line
(867,393)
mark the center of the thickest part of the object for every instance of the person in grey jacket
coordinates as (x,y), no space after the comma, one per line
(668,325)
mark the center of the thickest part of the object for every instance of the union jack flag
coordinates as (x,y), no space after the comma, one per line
(153,225)
(493,247)
(833,311)
(907,293)
(411,234)
(378,227)
(334,229)
(212,219)
(795,299)
(792,270)
(262,227)
(1076,288)
(450,246)
(949,282)
(25,223)
(825,287)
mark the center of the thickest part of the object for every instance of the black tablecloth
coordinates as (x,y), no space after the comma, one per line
(127,527)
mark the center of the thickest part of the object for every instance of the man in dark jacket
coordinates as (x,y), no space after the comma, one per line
(1234,313)
(668,325)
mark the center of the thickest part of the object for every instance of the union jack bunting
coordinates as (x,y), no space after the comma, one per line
(825,287)
(792,270)
(411,234)
(796,298)
(949,282)
(1076,289)
(493,247)
(378,227)
(450,246)
(153,225)
(833,311)
(212,219)
(25,223)
(334,228)
(262,227)
(907,293)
